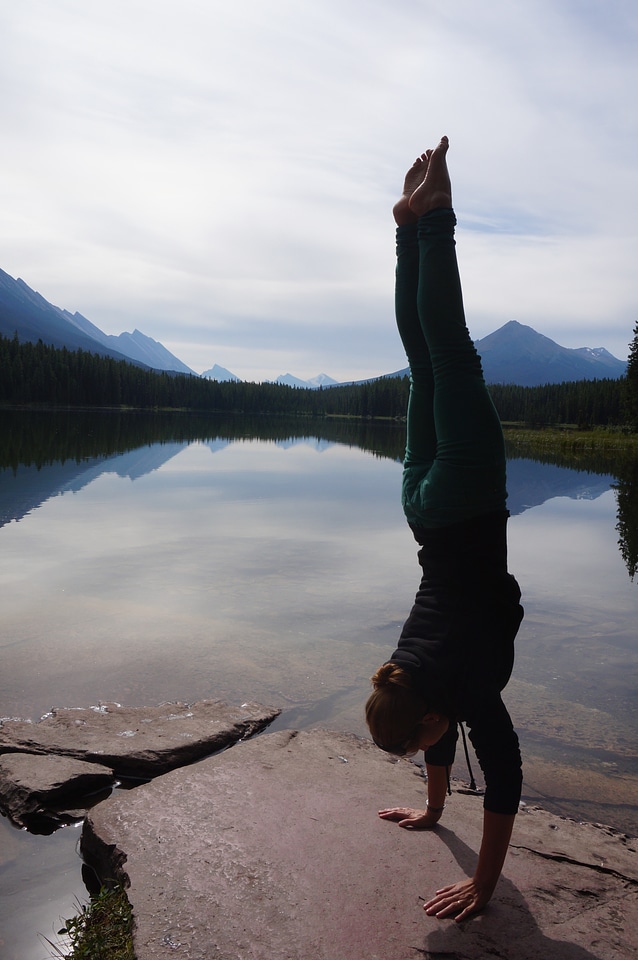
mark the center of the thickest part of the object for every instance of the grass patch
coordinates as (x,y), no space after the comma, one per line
(102,930)
(565,441)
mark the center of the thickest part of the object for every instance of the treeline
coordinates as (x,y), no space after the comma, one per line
(42,375)
(581,402)
(39,374)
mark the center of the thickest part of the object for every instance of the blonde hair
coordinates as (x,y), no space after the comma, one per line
(393,710)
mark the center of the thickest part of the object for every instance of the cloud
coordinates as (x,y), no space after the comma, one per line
(220,176)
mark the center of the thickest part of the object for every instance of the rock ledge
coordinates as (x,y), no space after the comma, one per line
(51,771)
(279,854)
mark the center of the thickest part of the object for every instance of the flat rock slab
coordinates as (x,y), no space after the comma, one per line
(137,741)
(273,851)
(35,789)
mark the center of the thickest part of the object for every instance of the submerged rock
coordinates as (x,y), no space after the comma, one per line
(129,742)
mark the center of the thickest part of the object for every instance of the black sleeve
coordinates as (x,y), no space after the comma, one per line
(497,748)
(441,754)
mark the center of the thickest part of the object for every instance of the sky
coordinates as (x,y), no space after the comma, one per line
(221,175)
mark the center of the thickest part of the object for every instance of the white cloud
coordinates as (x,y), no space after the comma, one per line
(221,176)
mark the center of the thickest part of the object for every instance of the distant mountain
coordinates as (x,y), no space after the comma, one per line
(321,380)
(221,374)
(135,345)
(27,313)
(518,354)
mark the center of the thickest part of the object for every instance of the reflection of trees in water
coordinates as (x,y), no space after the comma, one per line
(589,459)
(622,464)
(40,438)
(37,438)
(627,525)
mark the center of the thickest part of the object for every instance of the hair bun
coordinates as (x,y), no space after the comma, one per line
(390,674)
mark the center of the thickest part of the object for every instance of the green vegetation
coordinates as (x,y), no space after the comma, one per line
(38,374)
(102,930)
(41,375)
(630,386)
(598,450)
(584,403)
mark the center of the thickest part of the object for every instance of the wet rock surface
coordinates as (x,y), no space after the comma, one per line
(274,849)
(48,768)
(38,792)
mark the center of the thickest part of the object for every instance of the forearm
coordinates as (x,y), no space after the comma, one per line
(462,899)
(497,831)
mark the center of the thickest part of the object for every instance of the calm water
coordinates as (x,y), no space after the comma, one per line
(238,560)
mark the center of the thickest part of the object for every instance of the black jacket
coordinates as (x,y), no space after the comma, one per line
(458,645)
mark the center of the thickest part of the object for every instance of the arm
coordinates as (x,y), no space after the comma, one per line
(468,896)
(498,752)
(428,818)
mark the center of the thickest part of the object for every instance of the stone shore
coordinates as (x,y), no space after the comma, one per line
(52,771)
(272,850)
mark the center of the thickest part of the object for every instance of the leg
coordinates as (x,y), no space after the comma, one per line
(467,477)
(421,433)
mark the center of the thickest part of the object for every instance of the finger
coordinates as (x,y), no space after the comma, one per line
(436,902)
(447,911)
(399,813)
(432,908)
(465,913)
(442,907)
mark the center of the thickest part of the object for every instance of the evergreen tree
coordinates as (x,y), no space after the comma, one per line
(631,382)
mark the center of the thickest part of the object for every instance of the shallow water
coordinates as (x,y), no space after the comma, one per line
(242,561)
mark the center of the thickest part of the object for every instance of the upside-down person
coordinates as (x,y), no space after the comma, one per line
(456,650)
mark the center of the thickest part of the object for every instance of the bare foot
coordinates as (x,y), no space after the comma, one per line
(436,189)
(413,178)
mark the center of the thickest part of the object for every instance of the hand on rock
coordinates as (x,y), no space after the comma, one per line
(411,819)
(459,900)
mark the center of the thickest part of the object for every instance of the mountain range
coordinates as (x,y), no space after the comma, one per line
(27,314)
(514,353)
(322,380)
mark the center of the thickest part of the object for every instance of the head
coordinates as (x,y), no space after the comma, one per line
(399,720)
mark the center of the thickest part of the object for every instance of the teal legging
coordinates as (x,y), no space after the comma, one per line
(454,467)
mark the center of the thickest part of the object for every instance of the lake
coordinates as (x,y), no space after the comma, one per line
(152,558)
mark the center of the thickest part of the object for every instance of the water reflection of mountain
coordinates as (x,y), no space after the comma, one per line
(43,454)
(27,487)
(531,483)
(31,483)
(135,464)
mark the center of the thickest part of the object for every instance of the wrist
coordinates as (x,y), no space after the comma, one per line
(432,809)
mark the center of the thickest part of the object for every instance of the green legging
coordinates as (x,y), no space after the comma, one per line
(454,466)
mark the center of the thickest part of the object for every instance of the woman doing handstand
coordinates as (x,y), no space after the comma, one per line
(456,650)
